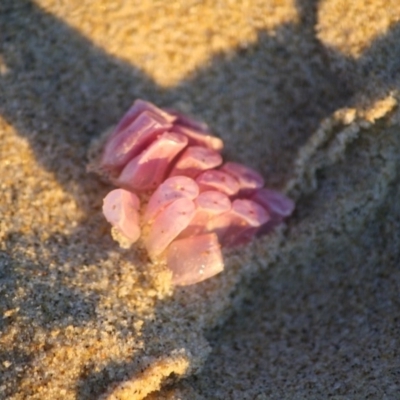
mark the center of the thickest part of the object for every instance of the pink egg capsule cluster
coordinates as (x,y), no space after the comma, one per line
(176,194)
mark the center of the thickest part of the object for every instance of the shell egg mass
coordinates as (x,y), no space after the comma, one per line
(192,203)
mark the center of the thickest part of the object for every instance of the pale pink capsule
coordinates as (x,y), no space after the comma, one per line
(121,148)
(170,190)
(194,160)
(208,205)
(194,259)
(147,170)
(239,225)
(121,209)
(218,180)
(138,107)
(278,206)
(249,179)
(168,224)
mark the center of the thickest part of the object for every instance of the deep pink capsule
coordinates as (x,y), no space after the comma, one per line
(168,224)
(194,160)
(249,179)
(187,121)
(121,209)
(194,259)
(147,170)
(218,180)
(170,190)
(239,225)
(138,107)
(278,206)
(199,138)
(129,143)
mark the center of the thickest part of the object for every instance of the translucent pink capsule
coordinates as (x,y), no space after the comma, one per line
(218,180)
(239,225)
(121,209)
(138,107)
(278,206)
(170,190)
(194,259)
(147,170)
(248,178)
(121,148)
(168,224)
(194,160)
(208,205)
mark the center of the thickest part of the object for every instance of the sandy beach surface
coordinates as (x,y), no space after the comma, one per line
(305,91)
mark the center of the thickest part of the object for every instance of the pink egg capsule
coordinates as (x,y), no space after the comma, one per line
(146,171)
(170,190)
(208,205)
(194,160)
(199,138)
(249,180)
(278,206)
(121,209)
(138,107)
(168,224)
(239,225)
(120,149)
(218,180)
(194,259)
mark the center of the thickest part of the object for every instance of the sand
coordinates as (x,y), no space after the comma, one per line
(304,91)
